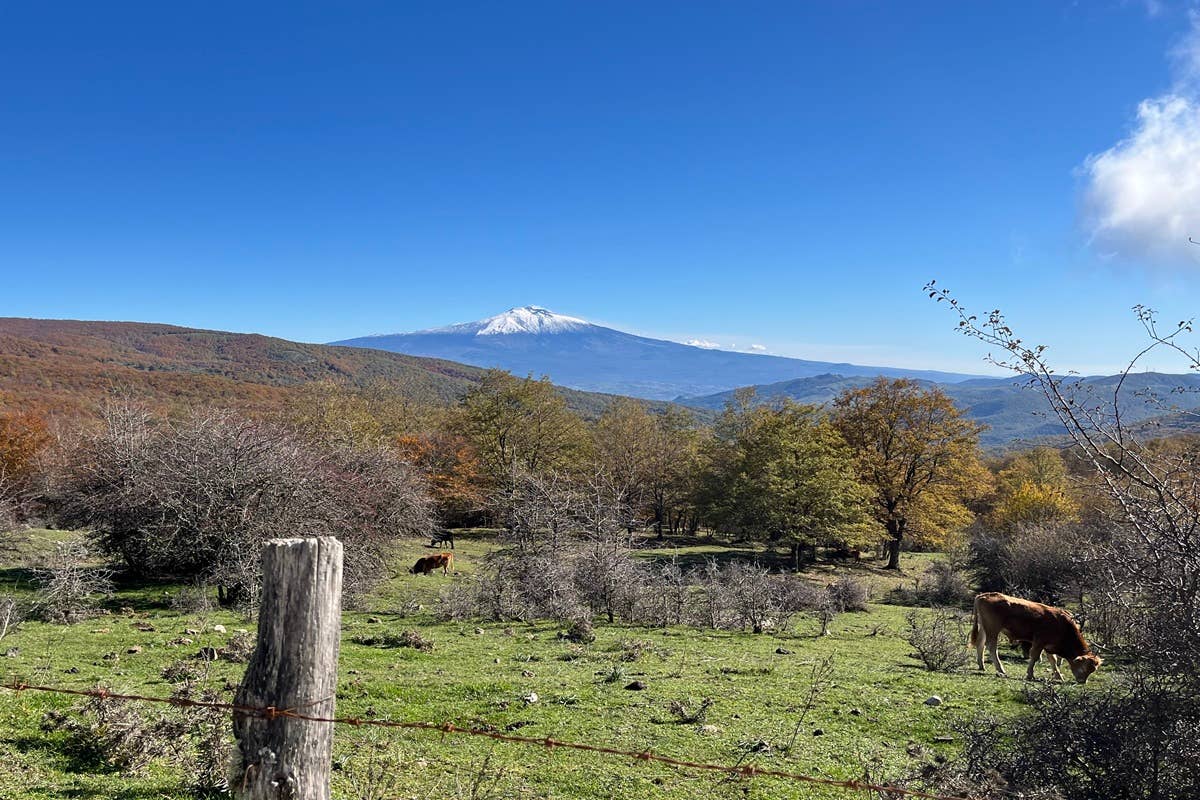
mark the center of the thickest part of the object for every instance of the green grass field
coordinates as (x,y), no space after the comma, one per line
(871,718)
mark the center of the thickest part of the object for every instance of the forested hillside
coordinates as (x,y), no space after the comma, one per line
(72,366)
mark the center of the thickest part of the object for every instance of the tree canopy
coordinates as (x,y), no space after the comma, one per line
(919,455)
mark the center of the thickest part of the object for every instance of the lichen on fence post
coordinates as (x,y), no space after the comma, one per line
(294,667)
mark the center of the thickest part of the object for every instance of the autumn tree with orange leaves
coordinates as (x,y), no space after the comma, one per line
(918,453)
(23,436)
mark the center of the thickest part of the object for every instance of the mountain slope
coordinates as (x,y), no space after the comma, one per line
(576,353)
(1011,409)
(72,366)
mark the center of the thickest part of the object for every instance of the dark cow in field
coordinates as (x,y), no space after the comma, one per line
(428,564)
(442,537)
(1047,629)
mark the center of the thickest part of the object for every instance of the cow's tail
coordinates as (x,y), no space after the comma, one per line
(973,639)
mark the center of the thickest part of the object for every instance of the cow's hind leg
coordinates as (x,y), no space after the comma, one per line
(992,643)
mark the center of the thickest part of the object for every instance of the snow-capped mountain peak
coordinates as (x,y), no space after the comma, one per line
(525,319)
(529,319)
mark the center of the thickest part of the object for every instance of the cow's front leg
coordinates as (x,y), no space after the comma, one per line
(1035,653)
(1053,659)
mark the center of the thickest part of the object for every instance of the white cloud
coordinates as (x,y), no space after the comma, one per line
(760,348)
(1142,199)
(702,343)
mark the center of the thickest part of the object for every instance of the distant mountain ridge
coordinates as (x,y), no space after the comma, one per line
(1012,410)
(582,355)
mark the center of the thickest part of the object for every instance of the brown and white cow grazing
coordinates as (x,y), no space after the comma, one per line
(1046,629)
(428,564)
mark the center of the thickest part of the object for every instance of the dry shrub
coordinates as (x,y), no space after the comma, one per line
(409,638)
(184,670)
(944,583)
(581,631)
(69,586)
(848,594)
(11,615)
(1137,739)
(200,494)
(121,735)
(238,649)
(939,636)
(690,712)
(195,598)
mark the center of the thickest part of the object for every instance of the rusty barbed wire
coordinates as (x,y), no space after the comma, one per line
(273,712)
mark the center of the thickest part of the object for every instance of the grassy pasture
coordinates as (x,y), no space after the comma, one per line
(871,717)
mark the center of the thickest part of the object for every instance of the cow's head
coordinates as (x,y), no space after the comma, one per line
(1083,666)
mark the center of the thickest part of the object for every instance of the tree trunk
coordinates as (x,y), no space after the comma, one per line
(294,666)
(896,531)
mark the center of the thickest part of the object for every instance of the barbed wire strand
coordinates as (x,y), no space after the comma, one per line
(272,712)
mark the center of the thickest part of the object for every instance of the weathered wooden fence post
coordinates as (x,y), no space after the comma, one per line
(294,666)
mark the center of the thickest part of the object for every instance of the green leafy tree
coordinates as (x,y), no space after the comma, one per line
(784,473)
(519,426)
(919,455)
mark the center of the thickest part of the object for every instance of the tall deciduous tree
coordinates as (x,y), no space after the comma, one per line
(784,473)
(919,455)
(516,426)
(651,459)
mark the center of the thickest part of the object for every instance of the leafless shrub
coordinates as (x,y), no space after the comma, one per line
(1135,740)
(944,583)
(711,608)
(847,594)
(238,649)
(210,754)
(199,496)
(667,592)
(184,670)
(122,735)
(634,649)
(607,579)
(194,598)
(818,681)
(690,712)
(11,615)
(459,601)
(581,631)
(69,584)
(939,636)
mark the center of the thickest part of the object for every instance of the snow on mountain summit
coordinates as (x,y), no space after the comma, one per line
(525,319)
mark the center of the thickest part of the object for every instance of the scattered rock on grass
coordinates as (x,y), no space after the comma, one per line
(636,686)
(783,651)
(933,700)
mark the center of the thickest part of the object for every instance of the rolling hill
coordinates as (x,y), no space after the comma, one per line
(70,366)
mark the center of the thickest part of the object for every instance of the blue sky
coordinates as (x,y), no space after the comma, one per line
(783,174)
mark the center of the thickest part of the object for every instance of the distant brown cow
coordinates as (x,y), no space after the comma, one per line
(428,564)
(1046,629)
